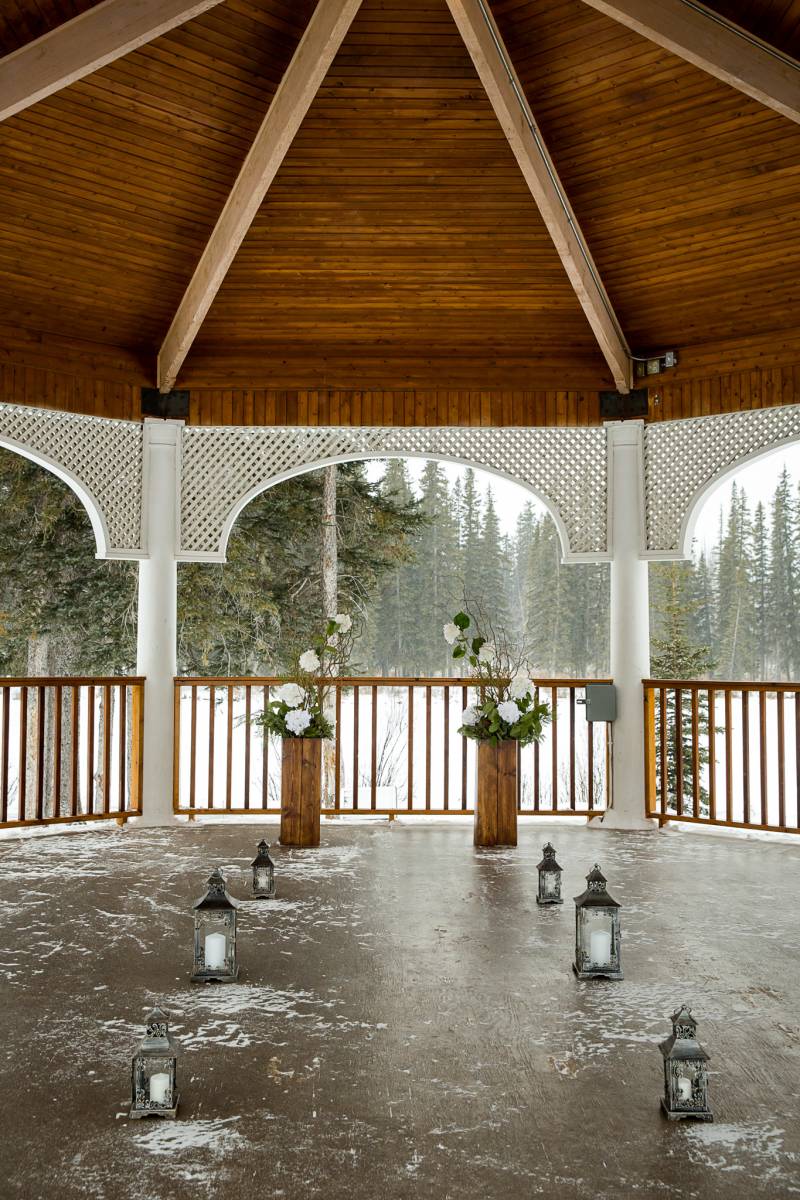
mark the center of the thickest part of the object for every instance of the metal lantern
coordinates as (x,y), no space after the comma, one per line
(597,933)
(263,873)
(549,877)
(153,1071)
(215,934)
(685,1071)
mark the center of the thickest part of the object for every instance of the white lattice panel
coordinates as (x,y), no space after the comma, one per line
(223,465)
(682,458)
(104,457)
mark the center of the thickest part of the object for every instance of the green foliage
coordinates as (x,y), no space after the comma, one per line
(55,595)
(304,692)
(504,685)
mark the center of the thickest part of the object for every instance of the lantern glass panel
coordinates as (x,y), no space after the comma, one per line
(154,1082)
(263,879)
(550,882)
(597,936)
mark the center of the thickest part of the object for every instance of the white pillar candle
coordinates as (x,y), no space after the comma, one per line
(215,950)
(159,1088)
(684,1088)
(600,947)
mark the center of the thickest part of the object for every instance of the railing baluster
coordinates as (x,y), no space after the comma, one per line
(446,731)
(572,749)
(90,749)
(410,756)
(106,749)
(427,749)
(212,701)
(373,793)
(728,754)
(265,754)
(746,755)
(663,737)
(229,751)
(40,751)
(74,752)
(122,725)
(779,697)
(649,750)
(57,733)
(337,783)
(355,747)
(6,691)
(797,755)
(554,748)
(536,777)
(679,750)
(695,754)
(712,755)
(762,752)
(590,763)
(247,739)
(177,697)
(464,703)
(193,748)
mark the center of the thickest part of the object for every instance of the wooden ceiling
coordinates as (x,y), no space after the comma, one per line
(399,247)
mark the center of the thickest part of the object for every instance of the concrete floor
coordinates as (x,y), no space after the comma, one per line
(406,1023)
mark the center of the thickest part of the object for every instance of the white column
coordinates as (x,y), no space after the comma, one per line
(630,626)
(157,624)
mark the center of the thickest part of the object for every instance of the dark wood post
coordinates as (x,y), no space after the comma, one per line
(301,791)
(496,804)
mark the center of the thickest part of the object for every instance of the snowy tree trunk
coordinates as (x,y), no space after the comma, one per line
(330,605)
(48,656)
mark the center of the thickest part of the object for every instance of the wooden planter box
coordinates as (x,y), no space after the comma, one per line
(496,803)
(301,790)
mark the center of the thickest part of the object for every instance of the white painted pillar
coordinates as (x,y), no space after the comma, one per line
(157,624)
(630,626)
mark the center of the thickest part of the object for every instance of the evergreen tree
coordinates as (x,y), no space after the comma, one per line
(735,596)
(760,593)
(394,623)
(675,654)
(784,564)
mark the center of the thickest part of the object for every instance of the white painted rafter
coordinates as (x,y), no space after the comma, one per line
(297,89)
(85,44)
(707,40)
(496,72)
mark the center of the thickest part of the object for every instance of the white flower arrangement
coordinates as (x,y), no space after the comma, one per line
(297,707)
(507,710)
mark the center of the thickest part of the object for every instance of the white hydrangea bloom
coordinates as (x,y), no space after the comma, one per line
(344,622)
(291,694)
(309,661)
(470,715)
(509,712)
(298,720)
(520,687)
(486,653)
(451,633)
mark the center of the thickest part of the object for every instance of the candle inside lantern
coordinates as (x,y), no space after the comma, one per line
(159,1088)
(684,1088)
(600,947)
(215,950)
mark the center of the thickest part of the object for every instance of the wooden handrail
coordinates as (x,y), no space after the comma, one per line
(382,680)
(721,685)
(69,680)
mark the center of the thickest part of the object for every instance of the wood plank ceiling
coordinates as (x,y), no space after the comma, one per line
(399,247)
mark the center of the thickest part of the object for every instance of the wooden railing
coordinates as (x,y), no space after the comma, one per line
(396,749)
(70,749)
(720,753)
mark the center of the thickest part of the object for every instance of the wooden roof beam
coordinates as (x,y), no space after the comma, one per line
(493,64)
(84,44)
(312,58)
(715,45)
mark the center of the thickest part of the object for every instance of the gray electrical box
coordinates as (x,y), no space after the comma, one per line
(601,702)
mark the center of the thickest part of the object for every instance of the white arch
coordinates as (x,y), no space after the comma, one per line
(361,456)
(89,502)
(706,489)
